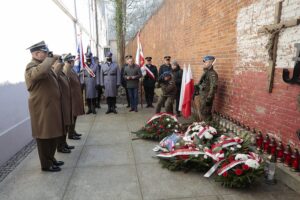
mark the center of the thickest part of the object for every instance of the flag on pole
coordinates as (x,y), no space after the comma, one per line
(182,88)
(187,95)
(140,59)
(79,61)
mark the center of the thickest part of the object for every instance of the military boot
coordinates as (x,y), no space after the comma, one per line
(89,104)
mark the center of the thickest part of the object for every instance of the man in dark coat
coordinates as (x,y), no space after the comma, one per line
(44,104)
(132,74)
(98,87)
(207,88)
(177,76)
(149,82)
(110,80)
(166,67)
(123,81)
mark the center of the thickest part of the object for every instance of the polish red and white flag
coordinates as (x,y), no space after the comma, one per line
(186,94)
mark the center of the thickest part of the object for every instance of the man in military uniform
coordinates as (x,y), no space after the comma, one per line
(90,83)
(149,82)
(132,74)
(110,80)
(166,67)
(44,104)
(76,96)
(207,87)
(123,81)
(168,87)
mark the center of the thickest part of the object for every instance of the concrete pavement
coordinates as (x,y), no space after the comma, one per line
(106,164)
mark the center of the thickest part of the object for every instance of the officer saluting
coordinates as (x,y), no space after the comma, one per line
(207,87)
(44,104)
(149,82)
(110,80)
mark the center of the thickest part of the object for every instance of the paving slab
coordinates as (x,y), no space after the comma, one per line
(104,155)
(143,151)
(35,185)
(104,183)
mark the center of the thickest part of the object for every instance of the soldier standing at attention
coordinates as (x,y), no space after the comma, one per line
(65,87)
(149,82)
(132,74)
(44,104)
(166,67)
(76,95)
(110,80)
(207,88)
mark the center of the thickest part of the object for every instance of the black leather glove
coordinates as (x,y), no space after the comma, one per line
(103,86)
(118,86)
(98,87)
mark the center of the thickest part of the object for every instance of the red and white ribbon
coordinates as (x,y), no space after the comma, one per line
(180,152)
(158,115)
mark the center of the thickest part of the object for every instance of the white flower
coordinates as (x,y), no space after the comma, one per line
(196,155)
(168,119)
(241,156)
(239,146)
(205,156)
(169,125)
(232,148)
(252,163)
(207,135)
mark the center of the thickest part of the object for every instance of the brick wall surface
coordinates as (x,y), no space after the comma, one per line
(189,29)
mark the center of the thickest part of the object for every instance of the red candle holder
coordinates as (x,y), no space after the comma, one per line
(266,143)
(259,141)
(295,160)
(272,147)
(287,154)
(279,152)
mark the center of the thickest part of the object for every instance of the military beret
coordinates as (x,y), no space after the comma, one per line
(41,46)
(68,57)
(207,58)
(148,58)
(167,57)
(108,54)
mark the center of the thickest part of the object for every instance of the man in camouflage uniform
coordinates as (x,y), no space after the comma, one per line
(207,87)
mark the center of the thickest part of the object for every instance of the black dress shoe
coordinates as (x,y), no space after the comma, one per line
(74,137)
(52,168)
(58,163)
(69,147)
(131,110)
(108,111)
(64,150)
(148,106)
(114,111)
(88,112)
(128,106)
(77,134)
(94,112)
(151,106)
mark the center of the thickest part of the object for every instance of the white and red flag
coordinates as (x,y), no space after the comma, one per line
(186,94)
(140,59)
(79,61)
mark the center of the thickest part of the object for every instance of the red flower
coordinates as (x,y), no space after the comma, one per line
(225,174)
(184,157)
(238,172)
(231,158)
(245,167)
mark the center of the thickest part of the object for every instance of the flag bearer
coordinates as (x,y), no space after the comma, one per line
(149,82)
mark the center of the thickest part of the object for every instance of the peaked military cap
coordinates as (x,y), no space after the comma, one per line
(207,58)
(108,55)
(148,58)
(68,57)
(167,57)
(41,46)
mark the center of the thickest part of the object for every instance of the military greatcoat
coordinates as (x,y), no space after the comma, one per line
(110,78)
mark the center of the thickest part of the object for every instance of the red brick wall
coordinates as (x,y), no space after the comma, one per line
(189,29)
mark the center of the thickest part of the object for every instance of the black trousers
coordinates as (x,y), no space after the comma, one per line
(178,99)
(71,130)
(111,102)
(46,149)
(149,94)
(98,99)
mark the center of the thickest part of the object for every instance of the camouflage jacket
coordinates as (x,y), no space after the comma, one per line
(208,84)
(168,87)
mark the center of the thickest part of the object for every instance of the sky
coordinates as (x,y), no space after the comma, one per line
(24,23)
